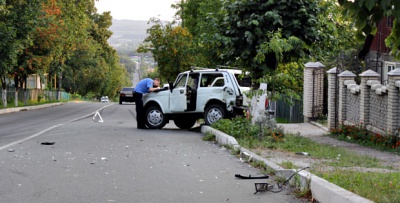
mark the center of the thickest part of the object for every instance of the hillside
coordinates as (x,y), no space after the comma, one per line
(127,34)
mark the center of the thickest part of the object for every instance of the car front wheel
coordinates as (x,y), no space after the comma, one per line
(214,113)
(155,119)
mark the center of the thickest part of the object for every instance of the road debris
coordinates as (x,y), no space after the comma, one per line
(47,143)
(303,153)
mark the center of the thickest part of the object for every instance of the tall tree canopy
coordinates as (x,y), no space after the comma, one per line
(18,19)
(172,48)
(202,19)
(250,24)
(367,13)
(64,38)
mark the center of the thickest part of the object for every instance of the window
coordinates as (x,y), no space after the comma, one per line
(388,67)
(207,79)
(181,81)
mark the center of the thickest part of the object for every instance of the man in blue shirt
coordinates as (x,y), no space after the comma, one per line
(144,86)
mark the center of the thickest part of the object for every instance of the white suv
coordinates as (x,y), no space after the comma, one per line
(211,94)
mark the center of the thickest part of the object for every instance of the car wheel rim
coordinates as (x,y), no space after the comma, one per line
(214,115)
(155,117)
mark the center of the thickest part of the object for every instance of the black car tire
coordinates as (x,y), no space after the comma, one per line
(185,123)
(120,100)
(214,113)
(155,118)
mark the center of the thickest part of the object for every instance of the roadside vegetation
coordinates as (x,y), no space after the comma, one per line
(363,175)
(360,135)
(45,38)
(29,103)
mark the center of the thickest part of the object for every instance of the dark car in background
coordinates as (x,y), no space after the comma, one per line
(126,95)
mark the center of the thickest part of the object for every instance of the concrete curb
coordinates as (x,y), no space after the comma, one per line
(28,108)
(320,126)
(322,190)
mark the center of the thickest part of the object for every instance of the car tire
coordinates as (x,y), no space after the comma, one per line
(213,113)
(120,100)
(155,118)
(185,123)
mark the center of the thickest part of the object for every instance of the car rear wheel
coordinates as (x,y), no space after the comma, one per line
(214,113)
(155,119)
(120,100)
(185,123)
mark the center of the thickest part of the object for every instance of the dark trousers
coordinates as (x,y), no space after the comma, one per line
(140,114)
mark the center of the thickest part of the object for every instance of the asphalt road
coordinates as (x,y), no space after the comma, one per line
(112,161)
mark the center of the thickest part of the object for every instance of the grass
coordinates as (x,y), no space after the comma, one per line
(376,186)
(209,137)
(28,103)
(338,157)
(282,120)
(288,165)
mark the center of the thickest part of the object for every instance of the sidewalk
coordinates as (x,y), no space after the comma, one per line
(315,132)
(28,108)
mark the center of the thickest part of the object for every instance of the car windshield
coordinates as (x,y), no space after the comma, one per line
(128,89)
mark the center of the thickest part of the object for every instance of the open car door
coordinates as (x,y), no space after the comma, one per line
(177,99)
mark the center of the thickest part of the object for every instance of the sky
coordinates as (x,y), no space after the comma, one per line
(137,9)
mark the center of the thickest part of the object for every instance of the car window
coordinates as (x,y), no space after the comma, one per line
(218,82)
(126,89)
(182,81)
(207,79)
(193,80)
(244,81)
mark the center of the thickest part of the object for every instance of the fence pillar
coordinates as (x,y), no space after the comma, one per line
(342,107)
(313,90)
(365,95)
(393,119)
(332,98)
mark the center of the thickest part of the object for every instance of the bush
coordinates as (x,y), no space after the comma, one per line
(241,127)
(359,134)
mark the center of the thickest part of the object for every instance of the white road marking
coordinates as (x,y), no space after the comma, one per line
(48,129)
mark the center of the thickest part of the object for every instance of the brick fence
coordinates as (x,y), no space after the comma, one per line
(369,103)
(313,90)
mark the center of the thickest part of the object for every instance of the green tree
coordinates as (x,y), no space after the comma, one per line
(336,33)
(247,24)
(93,66)
(172,48)
(17,21)
(202,19)
(367,14)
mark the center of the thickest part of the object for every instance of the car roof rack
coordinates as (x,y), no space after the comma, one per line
(197,68)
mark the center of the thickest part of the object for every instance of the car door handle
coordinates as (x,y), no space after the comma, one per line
(181,91)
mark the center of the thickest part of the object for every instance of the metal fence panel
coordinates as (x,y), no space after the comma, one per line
(291,113)
(35,95)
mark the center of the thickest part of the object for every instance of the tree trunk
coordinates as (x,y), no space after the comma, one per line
(4,92)
(59,87)
(4,97)
(25,92)
(16,97)
(16,91)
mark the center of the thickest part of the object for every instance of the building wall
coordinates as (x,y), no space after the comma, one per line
(385,28)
